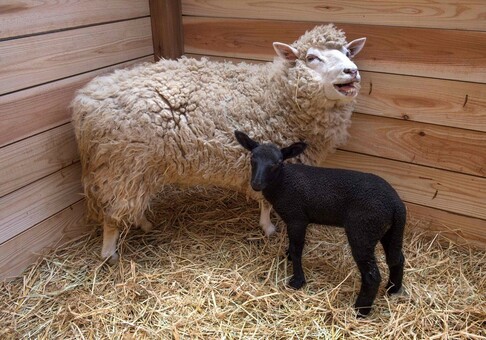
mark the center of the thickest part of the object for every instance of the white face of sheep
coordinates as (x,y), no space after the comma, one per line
(333,67)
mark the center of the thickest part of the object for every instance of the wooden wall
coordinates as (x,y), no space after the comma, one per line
(48,49)
(420,121)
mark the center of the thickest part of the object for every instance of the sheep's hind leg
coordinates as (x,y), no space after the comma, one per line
(110,238)
(265,222)
(144,224)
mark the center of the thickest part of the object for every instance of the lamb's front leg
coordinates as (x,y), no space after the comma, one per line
(265,222)
(296,232)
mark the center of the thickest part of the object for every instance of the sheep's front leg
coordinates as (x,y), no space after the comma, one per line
(110,238)
(296,233)
(265,222)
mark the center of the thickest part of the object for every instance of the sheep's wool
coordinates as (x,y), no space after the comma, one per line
(173,122)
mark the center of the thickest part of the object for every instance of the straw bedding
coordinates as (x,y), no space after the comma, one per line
(207,272)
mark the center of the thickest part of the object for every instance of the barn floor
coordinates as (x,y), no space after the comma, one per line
(207,272)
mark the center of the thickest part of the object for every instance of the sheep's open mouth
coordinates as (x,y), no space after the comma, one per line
(346,88)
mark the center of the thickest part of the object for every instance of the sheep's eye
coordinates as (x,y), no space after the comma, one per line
(311,58)
(348,54)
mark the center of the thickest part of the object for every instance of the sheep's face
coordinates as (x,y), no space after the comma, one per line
(267,159)
(333,68)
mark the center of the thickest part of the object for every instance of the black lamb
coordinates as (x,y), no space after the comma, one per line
(365,205)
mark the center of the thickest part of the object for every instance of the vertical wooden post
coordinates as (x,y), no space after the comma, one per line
(167,36)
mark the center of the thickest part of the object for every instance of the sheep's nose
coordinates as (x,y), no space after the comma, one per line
(351,71)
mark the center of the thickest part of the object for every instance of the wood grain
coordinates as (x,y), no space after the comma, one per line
(435,188)
(419,143)
(24,249)
(34,203)
(167,34)
(448,54)
(35,60)
(458,228)
(22,17)
(466,15)
(35,157)
(43,107)
(436,101)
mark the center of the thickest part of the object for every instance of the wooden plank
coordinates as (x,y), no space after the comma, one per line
(435,188)
(24,17)
(33,158)
(34,203)
(38,59)
(458,228)
(437,101)
(167,34)
(455,55)
(419,143)
(24,249)
(43,107)
(466,15)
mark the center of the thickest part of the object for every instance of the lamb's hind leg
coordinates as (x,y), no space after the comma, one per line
(364,255)
(110,238)
(265,222)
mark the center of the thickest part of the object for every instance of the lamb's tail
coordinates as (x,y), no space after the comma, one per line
(392,243)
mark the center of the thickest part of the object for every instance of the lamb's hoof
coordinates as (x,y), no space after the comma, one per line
(111,259)
(269,229)
(146,226)
(296,283)
(391,289)
(363,311)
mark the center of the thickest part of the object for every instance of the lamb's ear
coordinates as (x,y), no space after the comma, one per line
(293,150)
(285,51)
(355,46)
(245,141)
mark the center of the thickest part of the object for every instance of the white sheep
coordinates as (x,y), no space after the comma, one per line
(172,122)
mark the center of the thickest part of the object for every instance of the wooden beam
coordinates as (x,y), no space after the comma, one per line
(22,250)
(67,53)
(25,162)
(436,53)
(31,111)
(34,203)
(464,15)
(166,16)
(20,18)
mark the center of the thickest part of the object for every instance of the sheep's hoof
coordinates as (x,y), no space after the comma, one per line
(296,283)
(269,229)
(111,259)
(146,226)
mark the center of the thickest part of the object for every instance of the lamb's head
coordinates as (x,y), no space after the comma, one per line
(267,159)
(323,55)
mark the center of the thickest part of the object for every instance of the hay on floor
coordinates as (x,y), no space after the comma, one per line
(206,271)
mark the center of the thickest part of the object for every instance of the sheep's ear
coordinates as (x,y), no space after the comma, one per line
(245,141)
(355,46)
(285,51)
(293,150)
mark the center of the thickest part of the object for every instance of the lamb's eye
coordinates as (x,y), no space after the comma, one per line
(311,58)
(348,54)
